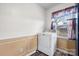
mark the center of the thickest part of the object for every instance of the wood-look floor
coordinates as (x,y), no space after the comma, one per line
(39,53)
(57,53)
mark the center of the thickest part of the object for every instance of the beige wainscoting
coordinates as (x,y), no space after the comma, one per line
(67,45)
(18,46)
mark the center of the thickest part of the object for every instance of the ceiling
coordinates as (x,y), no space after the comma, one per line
(47,5)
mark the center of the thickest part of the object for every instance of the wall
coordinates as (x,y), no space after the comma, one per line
(20,19)
(69,46)
(18,46)
(53,9)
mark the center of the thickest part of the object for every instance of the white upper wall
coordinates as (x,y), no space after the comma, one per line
(20,20)
(53,9)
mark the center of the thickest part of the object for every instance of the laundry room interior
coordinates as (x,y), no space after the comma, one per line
(38,29)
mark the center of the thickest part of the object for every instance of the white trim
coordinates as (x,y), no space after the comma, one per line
(30,53)
(65,51)
(62,37)
(15,36)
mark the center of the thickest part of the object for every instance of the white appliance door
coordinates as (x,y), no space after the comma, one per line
(44,43)
(53,43)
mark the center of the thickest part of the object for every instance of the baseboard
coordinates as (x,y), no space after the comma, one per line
(31,53)
(64,51)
